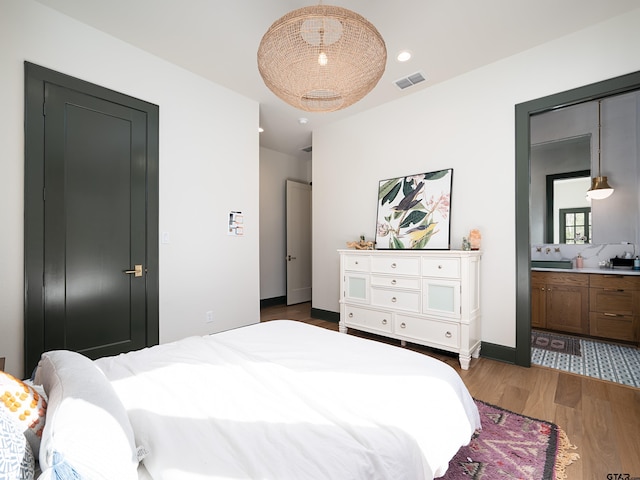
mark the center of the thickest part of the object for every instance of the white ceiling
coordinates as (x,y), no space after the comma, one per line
(219,40)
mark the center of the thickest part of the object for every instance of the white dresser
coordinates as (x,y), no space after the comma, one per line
(430,298)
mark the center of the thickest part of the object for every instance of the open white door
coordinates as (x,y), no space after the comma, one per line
(298,198)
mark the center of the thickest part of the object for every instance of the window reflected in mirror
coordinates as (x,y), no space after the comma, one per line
(575,225)
(568,216)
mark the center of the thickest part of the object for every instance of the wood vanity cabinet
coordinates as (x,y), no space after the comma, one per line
(614,307)
(430,298)
(599,305)
(560,301)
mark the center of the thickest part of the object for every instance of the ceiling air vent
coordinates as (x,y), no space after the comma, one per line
(306,149)
(410,81)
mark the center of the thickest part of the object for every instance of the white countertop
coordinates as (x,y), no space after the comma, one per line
(601,271)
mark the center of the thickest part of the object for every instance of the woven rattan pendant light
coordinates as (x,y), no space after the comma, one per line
(321,58)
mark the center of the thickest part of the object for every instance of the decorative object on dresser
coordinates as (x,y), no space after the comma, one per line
(474,239)
(361,245)
(414,211)
(427,298)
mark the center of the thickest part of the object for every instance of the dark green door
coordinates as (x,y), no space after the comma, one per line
(91,212)
(94,224)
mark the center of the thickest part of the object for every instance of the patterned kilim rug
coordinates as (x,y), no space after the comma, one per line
(555,343)
(512,446)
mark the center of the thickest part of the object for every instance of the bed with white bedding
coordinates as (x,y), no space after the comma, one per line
(273,401)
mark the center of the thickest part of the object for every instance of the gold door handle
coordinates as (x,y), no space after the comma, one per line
(136,272)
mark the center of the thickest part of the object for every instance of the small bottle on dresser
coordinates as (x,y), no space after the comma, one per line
(636,263)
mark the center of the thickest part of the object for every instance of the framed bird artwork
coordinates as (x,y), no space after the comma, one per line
(414,212)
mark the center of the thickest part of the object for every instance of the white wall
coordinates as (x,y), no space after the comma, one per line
(275,169)
(208,135)
(467,123)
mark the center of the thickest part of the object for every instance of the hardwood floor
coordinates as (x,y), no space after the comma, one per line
(601,418)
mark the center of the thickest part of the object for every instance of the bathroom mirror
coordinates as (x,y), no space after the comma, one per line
(564,143)
(560,176)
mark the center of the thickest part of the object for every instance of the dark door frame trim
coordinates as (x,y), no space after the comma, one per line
(523,111)
(35,79)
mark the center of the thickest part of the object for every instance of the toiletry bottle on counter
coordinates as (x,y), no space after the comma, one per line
(579,261)
(636,263)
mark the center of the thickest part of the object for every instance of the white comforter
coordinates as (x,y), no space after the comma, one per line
(283,400)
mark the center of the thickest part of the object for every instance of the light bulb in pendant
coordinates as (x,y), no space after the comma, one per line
(322,59)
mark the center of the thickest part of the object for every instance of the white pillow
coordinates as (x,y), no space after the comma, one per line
(87,432)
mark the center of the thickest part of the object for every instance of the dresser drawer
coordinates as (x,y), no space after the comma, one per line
(370,319)
(618,327)
(357,263)
(441,267)
(395,281)
(442,333)
(611,300)
(396,265)
(395,299)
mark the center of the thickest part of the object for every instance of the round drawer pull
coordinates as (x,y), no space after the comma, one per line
(356,262)
(393,265)
(439,267)
(393,282)
(351,315)
(403,325)
(448,334)
(384,321)
(394,299)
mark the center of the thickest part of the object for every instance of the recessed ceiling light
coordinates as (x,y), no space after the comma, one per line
(303,120)
(403,56)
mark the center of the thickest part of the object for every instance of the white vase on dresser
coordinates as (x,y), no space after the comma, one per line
(425,297)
